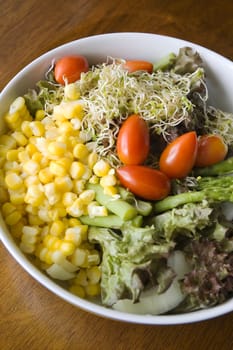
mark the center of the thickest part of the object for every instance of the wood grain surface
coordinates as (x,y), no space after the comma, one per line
(31,317)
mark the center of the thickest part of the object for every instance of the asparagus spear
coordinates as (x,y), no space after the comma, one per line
(224,167)
(212,189)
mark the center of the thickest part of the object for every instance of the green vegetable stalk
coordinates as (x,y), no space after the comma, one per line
(211,189)
(224,167)
(118,207)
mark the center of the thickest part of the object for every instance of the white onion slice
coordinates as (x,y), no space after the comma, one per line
(155,304)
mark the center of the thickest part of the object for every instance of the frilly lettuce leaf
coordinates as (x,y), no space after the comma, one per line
(131,261)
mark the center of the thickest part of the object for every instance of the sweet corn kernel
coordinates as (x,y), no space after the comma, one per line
(17,105)
(67,248)
(34,196)
(17,196)
(94,179)
(93,258)
(28,238)
(63,184)
(66,128)
(12,155)
(23,156)
(48,258)
(78,186)
(8,141)
(42,252)
(77,170)
(13,181)
(57,228)
(34,231)
(108,180)
(31,149)
(2,177)
(65,162)
(94,274)
(3,151)
(80,257)
(87,173)
(2,161)
(31,180)
(72,109)
(30,209)
(13,218)
(44,215)
(68,198)
(27,247)
(50,241)
(37,157)
(94,209)
(12,166)
(13,120)
(45,256)
(4,196)
(72,222)
(81,151)
(17,229)
(67,110)
(76,124)
(78,290)
(76,209)
(57,148)
(34,220)
(57,213)
(8,208)
(73,234)
(93,289)
(92,159)
(26,128)
(57,169)
(87,196)
(37,128)
(51,193)
(71,92)
(58,113)
(45,175)
(40,114)
(81,278)
(101,168)
(31,167)
(20,138)
(110,190)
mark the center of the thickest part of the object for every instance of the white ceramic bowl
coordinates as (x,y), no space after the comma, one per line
(129,46)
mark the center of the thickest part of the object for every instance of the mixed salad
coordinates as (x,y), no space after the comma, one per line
(117,181)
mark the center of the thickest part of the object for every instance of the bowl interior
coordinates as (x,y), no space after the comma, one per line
(142,46)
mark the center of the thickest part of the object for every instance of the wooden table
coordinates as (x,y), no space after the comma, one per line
(31,316)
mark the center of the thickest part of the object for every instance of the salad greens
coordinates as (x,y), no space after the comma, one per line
(138,238)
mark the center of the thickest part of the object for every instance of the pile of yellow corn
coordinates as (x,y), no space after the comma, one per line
(45,165)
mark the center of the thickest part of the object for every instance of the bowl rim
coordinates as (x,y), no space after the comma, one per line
(52,286)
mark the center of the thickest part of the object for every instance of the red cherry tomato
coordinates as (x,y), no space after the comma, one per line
(133,141)
(133,66)
(145,182)
(69,68)
(178,158)
(211,150)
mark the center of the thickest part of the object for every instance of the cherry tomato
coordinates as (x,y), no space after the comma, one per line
(133,141)
(211,149)
(145,182)
(69,68)
(178,158)
(133,66)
